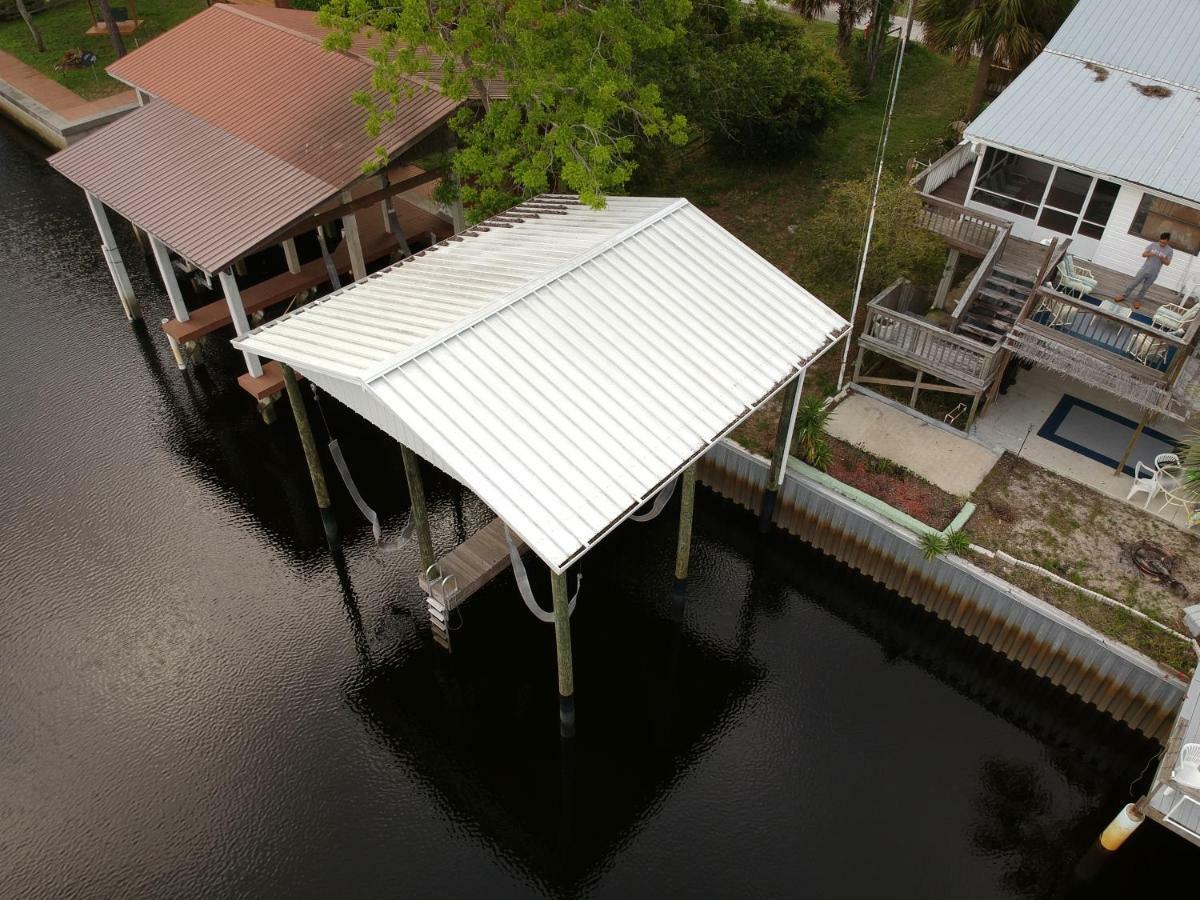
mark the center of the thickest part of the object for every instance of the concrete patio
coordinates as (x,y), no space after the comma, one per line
(1013,420)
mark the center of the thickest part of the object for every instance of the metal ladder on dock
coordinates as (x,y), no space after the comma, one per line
(442,590)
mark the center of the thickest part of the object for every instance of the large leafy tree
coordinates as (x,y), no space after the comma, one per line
(997,31)
(848,13)
(573,110)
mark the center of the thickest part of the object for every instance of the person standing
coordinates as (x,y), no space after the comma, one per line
(1157,254)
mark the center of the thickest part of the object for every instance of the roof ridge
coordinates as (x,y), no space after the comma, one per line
(522,291)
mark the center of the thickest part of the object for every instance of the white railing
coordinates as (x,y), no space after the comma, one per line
(942,170)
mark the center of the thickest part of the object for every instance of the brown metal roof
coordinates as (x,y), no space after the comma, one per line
(253,126)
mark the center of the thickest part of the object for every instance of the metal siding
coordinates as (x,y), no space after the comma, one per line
(1116,679)
(566,367)
(1056,109)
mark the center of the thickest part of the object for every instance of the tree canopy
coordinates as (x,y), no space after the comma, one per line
(574,109)
(1006,31)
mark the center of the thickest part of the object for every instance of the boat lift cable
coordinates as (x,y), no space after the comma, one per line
(339,460)
(889,112)
(526,589)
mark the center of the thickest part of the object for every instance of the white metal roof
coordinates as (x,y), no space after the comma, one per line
(568,365)
(1099,121)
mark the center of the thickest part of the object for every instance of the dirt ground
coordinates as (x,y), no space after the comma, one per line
(1086,537)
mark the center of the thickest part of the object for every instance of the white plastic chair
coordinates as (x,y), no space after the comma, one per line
(1187,770)
(1145,480)
(1175,318)
(1166,459)
(1075,278)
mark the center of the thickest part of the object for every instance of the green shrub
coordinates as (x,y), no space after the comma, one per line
(932,545)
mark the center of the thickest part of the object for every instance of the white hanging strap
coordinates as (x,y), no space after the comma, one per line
(660,503)
(371,516)
(526,589)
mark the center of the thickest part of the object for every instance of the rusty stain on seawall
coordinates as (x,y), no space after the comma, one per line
(1115,679)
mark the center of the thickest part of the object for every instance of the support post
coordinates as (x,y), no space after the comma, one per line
(858,361)
(390,222)
(233,299)
(1145,420)
(912,400)
(683,543)
(416,495)
(311,455)
(943,288)
(170,282)
(783,445)
(566,671)
(971,413)
(358,266)
(112,256)
(176,349)
(292,257)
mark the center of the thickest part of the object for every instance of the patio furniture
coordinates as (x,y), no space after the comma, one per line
(1187,771)
(1056,313)
(1148,350)
(1175,491)
(1145,481)
(1073,278)
(1174,317)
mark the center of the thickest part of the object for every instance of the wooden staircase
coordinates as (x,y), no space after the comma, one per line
(994,311)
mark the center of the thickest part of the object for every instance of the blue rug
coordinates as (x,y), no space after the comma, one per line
(1099,434)
(1118,346)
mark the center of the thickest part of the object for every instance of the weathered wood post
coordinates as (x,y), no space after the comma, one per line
(416,494)
(291,256)
(358,265)
(1147,417)
(683,543)
(311,455)
(112,256)
(943,288)
(783,445)
(562,640)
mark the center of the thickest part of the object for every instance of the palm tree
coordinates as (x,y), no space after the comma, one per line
(1007,31)
(849,12)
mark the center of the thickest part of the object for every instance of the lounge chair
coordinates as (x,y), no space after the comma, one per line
(1175,318)
(1075,279)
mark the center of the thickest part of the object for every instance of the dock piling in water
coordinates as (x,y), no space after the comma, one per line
(311,455)
(683,543)
(562,640)
(416,494)
(112,256)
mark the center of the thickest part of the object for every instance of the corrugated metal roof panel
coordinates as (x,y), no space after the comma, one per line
(220,162)
(205,193)
(1060,110)
(1157,38)
(567,367)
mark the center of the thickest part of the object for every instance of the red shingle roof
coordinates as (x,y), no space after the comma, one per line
(253,125)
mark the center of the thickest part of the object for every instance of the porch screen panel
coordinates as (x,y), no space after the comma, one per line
(1099,208)
(1012,182)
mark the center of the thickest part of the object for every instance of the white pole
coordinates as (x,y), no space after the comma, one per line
(112,256)
(791,428)
(170,282)
(887,127)
(233,297)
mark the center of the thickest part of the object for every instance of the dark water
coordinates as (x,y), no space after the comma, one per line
(199,701)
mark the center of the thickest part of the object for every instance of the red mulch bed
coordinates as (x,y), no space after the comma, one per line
(895,486)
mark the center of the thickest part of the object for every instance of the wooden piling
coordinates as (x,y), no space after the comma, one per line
(562,640)
(683,542)
(1147,418)
(315,470)
(416,494)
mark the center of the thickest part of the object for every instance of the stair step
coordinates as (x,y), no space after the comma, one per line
(985,335)
(1002,296)
(1013,277)
(442,639)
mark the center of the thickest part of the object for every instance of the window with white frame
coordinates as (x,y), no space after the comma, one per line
(1055,197)
(1156,215)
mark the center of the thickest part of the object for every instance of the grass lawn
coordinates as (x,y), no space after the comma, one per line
(63,28)
(1085,537)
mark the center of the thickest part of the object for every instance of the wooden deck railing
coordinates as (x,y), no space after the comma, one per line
(1137,348)
(932,349)
(942,170)
(979,279)
(966,229)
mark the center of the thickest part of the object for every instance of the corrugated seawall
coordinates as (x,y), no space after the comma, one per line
(1116,679)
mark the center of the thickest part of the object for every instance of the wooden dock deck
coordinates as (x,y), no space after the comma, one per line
(474,562)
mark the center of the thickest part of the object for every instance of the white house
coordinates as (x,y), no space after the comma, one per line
(1099,138)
